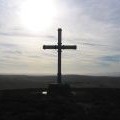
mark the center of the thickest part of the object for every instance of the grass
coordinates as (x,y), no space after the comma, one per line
(84,104)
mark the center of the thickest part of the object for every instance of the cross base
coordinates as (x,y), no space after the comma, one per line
(59,89)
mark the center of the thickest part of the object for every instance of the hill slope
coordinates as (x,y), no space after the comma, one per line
(24,81)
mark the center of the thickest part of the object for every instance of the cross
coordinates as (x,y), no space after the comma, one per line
(59,47)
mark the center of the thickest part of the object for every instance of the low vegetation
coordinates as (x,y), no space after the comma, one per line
(82,104)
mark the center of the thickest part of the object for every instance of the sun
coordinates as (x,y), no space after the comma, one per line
(37,15)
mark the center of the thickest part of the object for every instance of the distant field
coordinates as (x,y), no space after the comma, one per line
(78,81)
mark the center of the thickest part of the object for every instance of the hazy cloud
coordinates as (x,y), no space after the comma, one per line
(112,58)
(26,35)
(91,24)
(8,45)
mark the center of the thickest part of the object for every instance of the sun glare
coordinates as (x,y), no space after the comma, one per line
(37,15)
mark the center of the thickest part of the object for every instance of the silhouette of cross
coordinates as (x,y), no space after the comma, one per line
(59,47)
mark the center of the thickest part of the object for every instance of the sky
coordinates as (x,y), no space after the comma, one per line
(92,25)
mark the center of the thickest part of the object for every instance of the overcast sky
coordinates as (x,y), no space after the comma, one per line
(92,25)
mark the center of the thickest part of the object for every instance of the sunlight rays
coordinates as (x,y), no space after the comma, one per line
(37,15)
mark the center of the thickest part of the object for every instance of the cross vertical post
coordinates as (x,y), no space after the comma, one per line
(59,55)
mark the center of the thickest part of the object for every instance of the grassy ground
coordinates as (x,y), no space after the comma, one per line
(83,104)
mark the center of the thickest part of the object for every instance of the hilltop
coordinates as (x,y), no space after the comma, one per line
(79,81)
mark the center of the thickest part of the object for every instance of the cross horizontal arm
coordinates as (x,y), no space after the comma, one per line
(69,47)
(50,47)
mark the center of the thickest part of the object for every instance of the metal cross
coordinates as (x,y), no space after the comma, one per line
(59,47)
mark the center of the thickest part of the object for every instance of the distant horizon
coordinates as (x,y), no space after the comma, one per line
(97,75)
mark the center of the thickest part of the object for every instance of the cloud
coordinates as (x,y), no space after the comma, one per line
(94,44)
(9,48)
(112,58)
(15,52)
(8,45)
(105,10)
(21,34)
